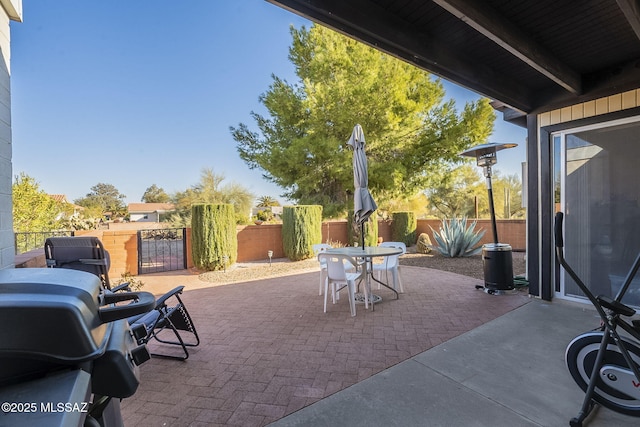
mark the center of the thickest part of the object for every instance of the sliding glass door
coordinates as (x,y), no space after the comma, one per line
(597,186)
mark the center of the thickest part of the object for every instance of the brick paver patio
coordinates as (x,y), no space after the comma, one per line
(268,349)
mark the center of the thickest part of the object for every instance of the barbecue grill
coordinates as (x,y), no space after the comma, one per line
(67,353)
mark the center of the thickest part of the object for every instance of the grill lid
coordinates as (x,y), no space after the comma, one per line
(50,314)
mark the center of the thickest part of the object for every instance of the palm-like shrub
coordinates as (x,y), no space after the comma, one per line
(457,239)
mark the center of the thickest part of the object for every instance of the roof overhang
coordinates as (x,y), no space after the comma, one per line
(527,56)
(13,8)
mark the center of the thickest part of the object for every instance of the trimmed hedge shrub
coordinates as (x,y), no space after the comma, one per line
(301,229)
(370,231)
(403,227)
(213,236)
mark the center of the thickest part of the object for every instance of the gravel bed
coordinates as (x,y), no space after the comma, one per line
(242,272)
(469,266)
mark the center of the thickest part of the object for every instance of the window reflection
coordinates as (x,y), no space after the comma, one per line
(601,194)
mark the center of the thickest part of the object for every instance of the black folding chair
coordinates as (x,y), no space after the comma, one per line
(84,253)
(170,316)
(166,320)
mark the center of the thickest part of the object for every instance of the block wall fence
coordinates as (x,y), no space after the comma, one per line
(254,241)
(10,10)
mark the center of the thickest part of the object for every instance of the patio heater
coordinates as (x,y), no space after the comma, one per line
(497,260)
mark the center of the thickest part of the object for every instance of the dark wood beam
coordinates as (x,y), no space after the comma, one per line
(631,12)
(602,83)
(375,26)
(489,23)
(531,193)
(509,114)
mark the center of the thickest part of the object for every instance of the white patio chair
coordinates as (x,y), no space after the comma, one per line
(391,265)
(338,277)
(317,249)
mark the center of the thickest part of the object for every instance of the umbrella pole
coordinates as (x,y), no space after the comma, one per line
(362,233)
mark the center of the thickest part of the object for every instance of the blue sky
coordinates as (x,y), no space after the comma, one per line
(135,93)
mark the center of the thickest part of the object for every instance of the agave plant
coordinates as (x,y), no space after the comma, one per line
(456,239)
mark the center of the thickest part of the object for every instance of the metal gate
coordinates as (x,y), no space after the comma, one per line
(162,250)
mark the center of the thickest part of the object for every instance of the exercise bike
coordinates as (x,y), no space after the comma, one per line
(605,364)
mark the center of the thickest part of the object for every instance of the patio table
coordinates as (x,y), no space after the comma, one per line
(368,253)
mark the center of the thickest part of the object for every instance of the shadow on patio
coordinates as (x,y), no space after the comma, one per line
(268,349)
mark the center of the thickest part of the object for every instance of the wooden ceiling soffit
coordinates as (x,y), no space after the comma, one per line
(598,84)
(492,25)
(374,26)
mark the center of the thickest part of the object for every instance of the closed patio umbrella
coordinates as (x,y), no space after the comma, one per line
(363,203)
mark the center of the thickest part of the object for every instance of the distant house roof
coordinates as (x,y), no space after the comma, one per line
(61,198)
(150,207)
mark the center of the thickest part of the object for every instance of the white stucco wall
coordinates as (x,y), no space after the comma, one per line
(14,8)
(140,217)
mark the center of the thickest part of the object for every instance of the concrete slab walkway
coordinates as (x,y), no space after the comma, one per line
(508,372)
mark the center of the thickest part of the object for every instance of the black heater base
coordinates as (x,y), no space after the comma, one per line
(497,264)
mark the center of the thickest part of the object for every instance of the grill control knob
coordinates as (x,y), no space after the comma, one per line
(140,354)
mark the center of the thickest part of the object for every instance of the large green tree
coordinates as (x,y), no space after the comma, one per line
(410,128)
(454,191)
(33,209)
(155,194)
(458,191)
(106,197)
(512,193)
(507,197)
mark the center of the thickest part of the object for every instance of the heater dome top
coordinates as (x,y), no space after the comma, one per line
(489,147)
(485,154)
